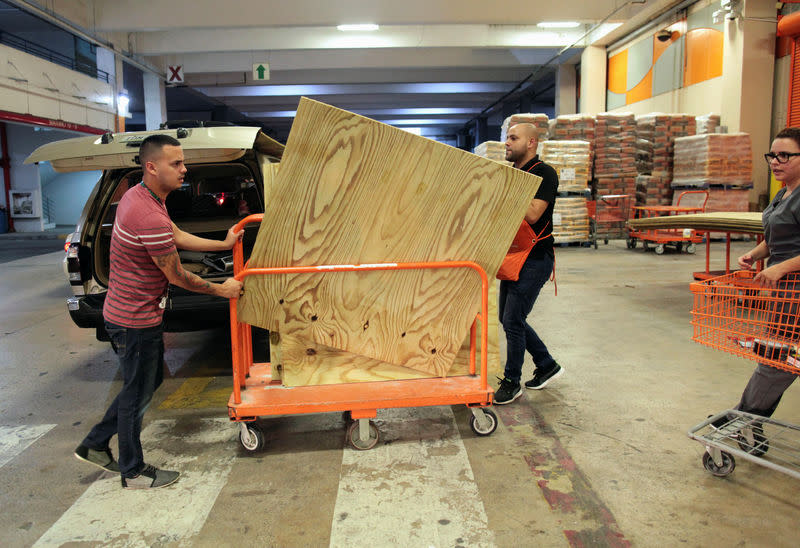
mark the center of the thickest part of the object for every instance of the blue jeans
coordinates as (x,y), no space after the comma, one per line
(141,358)
(516,302)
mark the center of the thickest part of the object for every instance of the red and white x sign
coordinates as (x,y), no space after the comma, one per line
(175,74)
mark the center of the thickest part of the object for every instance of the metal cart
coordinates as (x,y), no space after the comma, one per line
(256,394)
(672,237)
(608,216)
(734,314)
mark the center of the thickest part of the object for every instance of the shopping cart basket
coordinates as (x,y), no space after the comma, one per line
(608,217)
(735,314)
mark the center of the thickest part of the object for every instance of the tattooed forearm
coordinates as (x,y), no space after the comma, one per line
(171,266)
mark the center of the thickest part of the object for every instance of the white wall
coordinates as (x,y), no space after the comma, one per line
(68,192)
(702,98)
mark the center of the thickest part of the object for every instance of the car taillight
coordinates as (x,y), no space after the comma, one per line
(71,250)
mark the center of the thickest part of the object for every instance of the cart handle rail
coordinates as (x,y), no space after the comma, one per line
(241,335)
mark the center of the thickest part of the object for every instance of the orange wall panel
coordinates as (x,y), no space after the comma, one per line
(703,56)
(643,90)
(618,73)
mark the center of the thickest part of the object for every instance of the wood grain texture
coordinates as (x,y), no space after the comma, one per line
(351,190)
(303,362)
(720,221)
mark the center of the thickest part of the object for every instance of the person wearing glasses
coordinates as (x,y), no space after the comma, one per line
(781,248)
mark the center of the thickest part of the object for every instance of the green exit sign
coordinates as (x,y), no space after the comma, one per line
(260,71)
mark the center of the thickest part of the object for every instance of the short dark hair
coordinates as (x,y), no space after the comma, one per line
(153,144)
(792,133)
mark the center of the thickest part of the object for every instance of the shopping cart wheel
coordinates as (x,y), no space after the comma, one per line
(659,249)
(760,443)
(251,437)
(363,440)
(631,243)
(691,248)
(728,464)
(486,424)
(645,245)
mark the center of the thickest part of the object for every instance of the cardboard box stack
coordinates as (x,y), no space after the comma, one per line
(713,159)
(573,162)
(538,120)
(493,150)
(570,220)
(615,154)
(707,123)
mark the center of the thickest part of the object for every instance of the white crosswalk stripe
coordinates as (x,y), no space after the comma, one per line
(416,490)
(112,516)
(15,439)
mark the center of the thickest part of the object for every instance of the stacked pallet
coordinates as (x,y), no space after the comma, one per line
(604,186)
(707,123)
(493,150)
(539,121)
(713,159)
(570,220)
(615,145)
(573,162)
(573,127)
(653,190)
(656,133)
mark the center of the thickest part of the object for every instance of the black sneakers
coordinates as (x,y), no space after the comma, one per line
(101,459)
(540,380)
(507,392)
(150,478)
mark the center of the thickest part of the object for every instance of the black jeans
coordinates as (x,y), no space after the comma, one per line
(141,358)
(516,302)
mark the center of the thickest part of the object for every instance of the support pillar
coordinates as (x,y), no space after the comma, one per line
(5,165)
(566,90)
(593,80)
(155,101)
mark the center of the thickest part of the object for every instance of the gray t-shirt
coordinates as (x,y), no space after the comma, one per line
(781,221)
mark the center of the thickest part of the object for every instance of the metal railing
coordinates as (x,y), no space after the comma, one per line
(53,56)
(47,209)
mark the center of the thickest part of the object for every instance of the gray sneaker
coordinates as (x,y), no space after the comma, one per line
(150,478)
(101,459)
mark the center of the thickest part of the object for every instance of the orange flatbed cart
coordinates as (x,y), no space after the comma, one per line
(672,236)
(256,394)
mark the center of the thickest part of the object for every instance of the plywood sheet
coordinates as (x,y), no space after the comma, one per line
(351,190)
(734,221)
(303,362)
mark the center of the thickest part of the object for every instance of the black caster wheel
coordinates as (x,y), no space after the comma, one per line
(354,436)
(486,426)
(728,464)
(760,444)
(251,437)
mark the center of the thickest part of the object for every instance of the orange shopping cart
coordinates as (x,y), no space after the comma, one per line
(608,216)
(734,314)
(256,394)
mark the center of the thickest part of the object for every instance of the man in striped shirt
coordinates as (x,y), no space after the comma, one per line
(144,260)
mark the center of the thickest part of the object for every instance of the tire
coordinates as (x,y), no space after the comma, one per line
(487,430)
(631,243)
(659,249)
(691,249)
(362,445)
(760,445)
(728,464)
(254,440)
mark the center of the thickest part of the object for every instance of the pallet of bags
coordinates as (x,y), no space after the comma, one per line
(603,186)
(615,145)
(655,137)
(539,121)
(653,190)
(714,158)
(707,123)
(573,162)
(573,127)
(493,150)
(570,220)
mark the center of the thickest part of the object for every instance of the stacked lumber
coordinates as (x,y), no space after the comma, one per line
(715,158)
(736,221)
(351,190)
(604,186)
(540,121)
(493,150)
(707,123)
(720,200)
(573,127)
(573,162)
(615,145)
(655,141)
(570,220)
(653,190)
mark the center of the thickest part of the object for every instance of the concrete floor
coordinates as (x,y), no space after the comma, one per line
(599,458)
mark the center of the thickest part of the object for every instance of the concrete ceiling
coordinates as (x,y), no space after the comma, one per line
(432,64)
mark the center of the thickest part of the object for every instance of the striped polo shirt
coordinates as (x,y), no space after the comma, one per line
(142,230)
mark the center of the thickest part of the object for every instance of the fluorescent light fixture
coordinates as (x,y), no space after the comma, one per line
(122,104)
(558,24)
(360,27)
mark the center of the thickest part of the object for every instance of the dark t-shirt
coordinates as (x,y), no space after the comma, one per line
(781,221)
(547,192)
